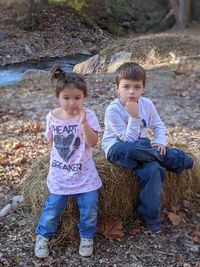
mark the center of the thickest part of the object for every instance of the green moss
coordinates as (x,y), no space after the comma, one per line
(117,30)
(166,74)
(88,22)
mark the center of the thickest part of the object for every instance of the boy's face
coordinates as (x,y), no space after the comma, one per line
(130,90)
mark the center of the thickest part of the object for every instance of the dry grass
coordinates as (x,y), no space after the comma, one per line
(117,196)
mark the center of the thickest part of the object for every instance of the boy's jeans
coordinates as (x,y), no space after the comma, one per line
(54,206)
(149,166)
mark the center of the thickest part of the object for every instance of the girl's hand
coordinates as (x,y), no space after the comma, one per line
(161,148)
(81,115)
(132,108)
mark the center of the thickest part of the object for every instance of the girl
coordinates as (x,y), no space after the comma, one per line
(72,131)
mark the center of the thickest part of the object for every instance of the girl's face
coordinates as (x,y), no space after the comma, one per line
(130,90)
(71,99)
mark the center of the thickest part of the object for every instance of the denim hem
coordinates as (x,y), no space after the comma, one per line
(47,236)
(153,226)
(87,236)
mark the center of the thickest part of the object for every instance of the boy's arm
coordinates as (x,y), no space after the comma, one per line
(157,126)
(125,132)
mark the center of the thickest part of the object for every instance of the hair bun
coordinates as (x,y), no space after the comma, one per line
(57,72)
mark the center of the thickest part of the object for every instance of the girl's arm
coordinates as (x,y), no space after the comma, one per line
(91,137)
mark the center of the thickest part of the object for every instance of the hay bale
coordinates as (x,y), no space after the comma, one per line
(117,196)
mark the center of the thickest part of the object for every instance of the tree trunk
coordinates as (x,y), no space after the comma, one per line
(182,12)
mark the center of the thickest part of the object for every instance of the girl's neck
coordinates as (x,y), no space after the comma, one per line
(61,114)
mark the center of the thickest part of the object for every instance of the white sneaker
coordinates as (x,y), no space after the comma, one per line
(41,246)
(86,247)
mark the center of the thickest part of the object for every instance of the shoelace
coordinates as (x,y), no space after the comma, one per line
(42,243)
(87,244)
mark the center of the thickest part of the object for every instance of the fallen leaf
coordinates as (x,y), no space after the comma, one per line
(193,233)
(4,262)
(35,126)
(174,218)
(176,208)
(179,71)
(1,157)
(175,87)
(177,257)
(33,237)
(110,227)
(16,258)
(195,239)
(17,145)
(134,231)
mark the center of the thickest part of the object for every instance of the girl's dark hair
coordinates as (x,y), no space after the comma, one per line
(130,71)
(64,79)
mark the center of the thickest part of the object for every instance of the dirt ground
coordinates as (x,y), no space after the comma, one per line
(176,93)
(174,89)
(61,31)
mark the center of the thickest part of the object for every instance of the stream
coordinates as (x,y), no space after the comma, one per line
(10,74)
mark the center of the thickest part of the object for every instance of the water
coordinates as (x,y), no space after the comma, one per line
(12,73)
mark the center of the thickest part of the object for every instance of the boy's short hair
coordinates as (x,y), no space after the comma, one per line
(130,71)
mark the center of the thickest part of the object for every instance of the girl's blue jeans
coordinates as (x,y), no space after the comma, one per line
(54,206)
(149,166)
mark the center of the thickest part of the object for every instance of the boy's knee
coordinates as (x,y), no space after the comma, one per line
(152,168)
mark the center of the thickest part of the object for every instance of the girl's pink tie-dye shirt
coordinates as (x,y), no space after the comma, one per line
(72,170)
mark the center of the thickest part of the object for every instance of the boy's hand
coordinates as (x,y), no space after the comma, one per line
(161,148)
(132,108)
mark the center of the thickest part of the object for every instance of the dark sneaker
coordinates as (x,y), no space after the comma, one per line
(151,233)
(154,227)
(190,162)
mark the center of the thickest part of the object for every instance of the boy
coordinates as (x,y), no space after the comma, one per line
(125,142)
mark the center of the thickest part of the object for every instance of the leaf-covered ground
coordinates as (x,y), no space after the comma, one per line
(23,107)
(60,31)
(176,93)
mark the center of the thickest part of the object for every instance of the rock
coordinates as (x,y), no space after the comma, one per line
(110,15)
(127,24)
(2,36)
(195,248)
(16,200)
(118,59)
(87,67)
(12,206)
(6,210)
(30,51)
(20,42)
(196,68)
(33,74)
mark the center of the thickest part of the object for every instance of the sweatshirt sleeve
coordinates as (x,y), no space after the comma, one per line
(157,126)
(124,132)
